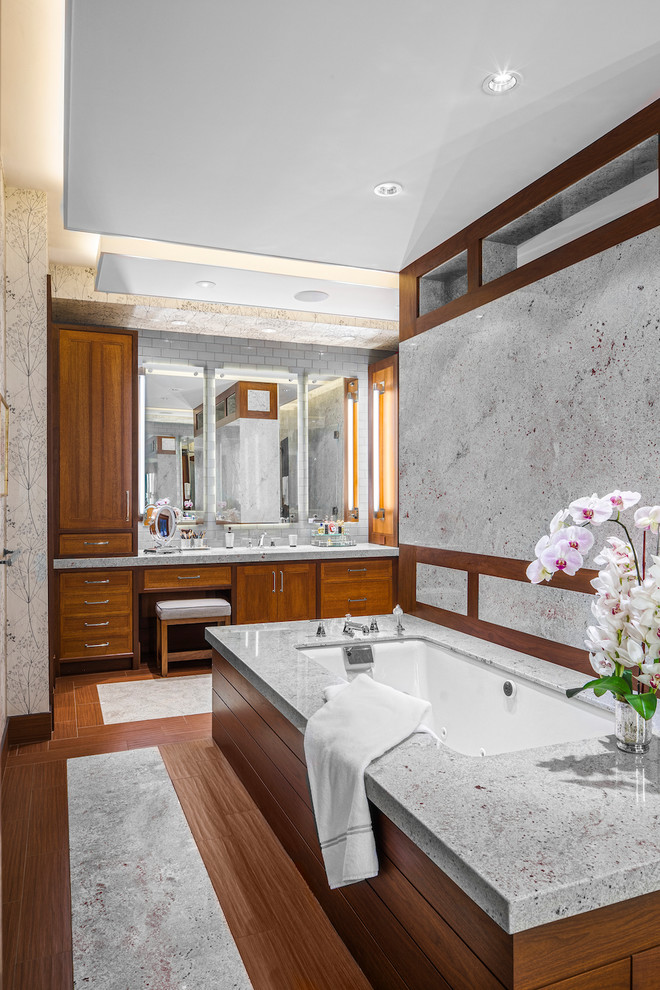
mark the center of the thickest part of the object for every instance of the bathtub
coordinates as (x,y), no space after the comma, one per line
(471,713)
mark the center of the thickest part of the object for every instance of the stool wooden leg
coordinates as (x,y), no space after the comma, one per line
(163,649)
(158,643)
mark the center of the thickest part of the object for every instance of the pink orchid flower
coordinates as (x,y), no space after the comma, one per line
(536,572)
(622,500)
(579,537)
(561,556)
(592,510)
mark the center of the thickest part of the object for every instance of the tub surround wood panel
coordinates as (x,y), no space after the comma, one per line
(442,805)
(428,930)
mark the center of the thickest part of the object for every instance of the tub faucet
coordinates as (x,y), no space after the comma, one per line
(350,626)
(398,612)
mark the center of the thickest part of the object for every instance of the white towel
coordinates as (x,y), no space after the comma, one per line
(359,723)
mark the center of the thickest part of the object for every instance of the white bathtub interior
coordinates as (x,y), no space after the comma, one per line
(471,712)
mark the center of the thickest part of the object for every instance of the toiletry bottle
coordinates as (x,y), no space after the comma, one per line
(229,538)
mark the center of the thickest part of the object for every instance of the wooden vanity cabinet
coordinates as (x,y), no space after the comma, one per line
(94,445)
(276,592)
(359,587)
(95,614)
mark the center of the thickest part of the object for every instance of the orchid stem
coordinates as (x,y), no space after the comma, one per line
(632,546)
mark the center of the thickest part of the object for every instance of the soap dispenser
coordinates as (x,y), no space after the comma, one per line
(229,538)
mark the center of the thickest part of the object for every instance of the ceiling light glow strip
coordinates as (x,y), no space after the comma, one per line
(377,433)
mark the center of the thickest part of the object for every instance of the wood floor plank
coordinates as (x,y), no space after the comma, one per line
(86,694)
(65,730)
(204,809)
(48,806)
(11,912)
(64,706)
(89,714)
(183,759)
(45,973)
(14,851)
(49,775)
(16,790)
(45,923)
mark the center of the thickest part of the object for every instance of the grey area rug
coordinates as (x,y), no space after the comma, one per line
(144,913)
(134,701)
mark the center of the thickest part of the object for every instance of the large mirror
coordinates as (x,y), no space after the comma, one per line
(332,447)
(256,447)
(172,462)
(282,445)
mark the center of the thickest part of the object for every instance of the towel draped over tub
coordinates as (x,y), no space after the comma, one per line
(359,722)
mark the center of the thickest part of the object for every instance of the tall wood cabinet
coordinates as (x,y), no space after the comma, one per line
(95,430)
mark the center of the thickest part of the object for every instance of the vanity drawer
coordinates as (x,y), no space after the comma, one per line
(96,642)
(370,598)
(355,572)
(91,592)
(165,578)
(95,544)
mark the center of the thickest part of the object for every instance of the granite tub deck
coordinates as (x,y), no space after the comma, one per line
(532,836)
(220,555)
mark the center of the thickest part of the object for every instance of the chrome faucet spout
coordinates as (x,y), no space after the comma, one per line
(262,538)
(398,612)
(350,626)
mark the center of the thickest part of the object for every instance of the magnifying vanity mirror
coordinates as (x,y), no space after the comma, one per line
(163,526)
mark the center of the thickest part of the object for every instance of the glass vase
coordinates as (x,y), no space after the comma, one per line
(633,733)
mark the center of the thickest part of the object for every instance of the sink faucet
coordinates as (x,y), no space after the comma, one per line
(262,538)
(350,626)
(398,612)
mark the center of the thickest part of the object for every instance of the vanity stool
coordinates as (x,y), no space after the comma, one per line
(212,611)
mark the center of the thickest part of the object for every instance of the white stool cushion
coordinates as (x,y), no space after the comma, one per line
(193,608)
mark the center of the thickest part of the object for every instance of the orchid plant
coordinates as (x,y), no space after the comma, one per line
(624,644)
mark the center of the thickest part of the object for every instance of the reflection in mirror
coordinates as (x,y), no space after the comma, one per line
(332,435)
(172,464)
(256,454)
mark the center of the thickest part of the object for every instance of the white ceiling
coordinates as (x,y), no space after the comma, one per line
(263,127)
(259,129)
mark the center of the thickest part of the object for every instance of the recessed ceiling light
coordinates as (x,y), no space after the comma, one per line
(498,83)
(311,295)
(205,284)
(388,189)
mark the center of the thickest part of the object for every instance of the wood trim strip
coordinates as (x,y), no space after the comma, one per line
(4,753)
(620,139)
(32,728)
(509,568)
(622,229)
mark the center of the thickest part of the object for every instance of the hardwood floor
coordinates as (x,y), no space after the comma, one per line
(284,937)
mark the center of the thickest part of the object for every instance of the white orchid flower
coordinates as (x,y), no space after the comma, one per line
(622,500)
(592,510)
(648,517)
(561,556)
(536,572)
(632,655)
(579,537)
(650,674)
(558,520)
(601,664)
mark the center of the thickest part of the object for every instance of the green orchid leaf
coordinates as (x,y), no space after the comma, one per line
(644,704)
(627,676)
(617,685)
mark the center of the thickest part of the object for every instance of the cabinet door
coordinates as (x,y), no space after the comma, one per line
(95,400)
(257,592)
(616,976)
(646,970)
(297,586)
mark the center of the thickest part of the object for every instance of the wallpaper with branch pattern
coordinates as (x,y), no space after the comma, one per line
(26,326)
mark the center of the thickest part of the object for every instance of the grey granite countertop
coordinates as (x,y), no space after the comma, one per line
(530,836)
(239,555)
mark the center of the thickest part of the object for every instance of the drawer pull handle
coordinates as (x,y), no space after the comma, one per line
(95,543)
(273,582)
(106,601)
(105,581)
(281,580)
(128,505)
(107,623)
(93,646)
(351,600)
(190,577)
(356,570)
